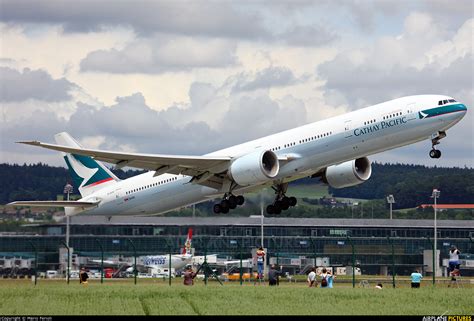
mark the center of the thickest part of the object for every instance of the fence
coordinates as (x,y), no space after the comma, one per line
(396,257)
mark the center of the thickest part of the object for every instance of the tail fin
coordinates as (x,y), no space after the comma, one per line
(187,244)
(88,174)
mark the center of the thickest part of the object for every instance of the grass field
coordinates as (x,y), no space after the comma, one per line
(155,297)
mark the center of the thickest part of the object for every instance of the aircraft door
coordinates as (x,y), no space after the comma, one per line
(347,125)
(118,196)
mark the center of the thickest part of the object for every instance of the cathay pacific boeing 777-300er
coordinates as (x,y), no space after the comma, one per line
(333,149)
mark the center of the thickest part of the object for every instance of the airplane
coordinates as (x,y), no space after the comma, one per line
(159,262)
(334,150)
(178,261)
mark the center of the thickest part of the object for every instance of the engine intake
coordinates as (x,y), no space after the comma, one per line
(254,168)
(347,174)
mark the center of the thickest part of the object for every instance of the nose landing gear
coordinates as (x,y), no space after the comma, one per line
(435,138)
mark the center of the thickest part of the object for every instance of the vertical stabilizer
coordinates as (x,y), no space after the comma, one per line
(88,174)
(187,244)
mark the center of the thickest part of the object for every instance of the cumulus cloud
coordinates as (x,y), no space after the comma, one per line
(197,46)
(205,18)
(308,36)
(162,54)
(401,66)
(133,125)
(424,59)
(364,85)
(266,78)
(16,86)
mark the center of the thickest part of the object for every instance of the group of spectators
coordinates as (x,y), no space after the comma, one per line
(324,279)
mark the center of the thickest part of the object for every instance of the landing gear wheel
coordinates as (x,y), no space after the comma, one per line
(240,200)
(293,201)
(270,209)
(217,208)
(225,205)
(285,203)
(276,209)
(435,153)
(232,202)
(282,202)
(225,210)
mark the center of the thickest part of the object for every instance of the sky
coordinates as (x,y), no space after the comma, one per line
(192,77)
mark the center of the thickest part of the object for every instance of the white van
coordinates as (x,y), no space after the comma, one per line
(51,274)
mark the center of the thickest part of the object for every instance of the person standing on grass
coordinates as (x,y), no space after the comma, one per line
(312,278)
(189,276)
(416,279)
(453,259)
(83,276)
(324,278)
(330,278)
(260,263)
(273,275)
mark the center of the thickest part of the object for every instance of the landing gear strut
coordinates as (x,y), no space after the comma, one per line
(229,202)
(435,138)
(282,202)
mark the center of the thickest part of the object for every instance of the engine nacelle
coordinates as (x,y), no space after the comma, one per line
(347,174)
(254,168)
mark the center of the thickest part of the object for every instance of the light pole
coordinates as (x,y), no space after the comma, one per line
(435,195)
(390,200)
(68,189)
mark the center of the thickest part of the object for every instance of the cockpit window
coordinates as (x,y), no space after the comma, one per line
(443,102)
(446,101)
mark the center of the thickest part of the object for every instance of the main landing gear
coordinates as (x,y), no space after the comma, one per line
(282,202)
(228,203)
(435,138)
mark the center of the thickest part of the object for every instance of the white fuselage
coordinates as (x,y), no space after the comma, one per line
(311,147)
(160,262)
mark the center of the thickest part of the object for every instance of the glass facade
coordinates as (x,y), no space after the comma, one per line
(372,245)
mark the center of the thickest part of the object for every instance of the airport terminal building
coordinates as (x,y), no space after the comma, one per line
(296,243)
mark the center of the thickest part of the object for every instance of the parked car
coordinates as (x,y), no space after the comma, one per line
(52,274)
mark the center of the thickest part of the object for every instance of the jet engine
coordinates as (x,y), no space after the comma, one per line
(254,168)
(347,174)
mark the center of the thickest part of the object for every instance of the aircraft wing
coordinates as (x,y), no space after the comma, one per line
(79,204)
(202,168)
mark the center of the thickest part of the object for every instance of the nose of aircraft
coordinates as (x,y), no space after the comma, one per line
(463,109)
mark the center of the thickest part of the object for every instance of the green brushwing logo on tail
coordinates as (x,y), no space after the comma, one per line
(85,171)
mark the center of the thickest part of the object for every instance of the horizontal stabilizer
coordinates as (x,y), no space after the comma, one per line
(79,204)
